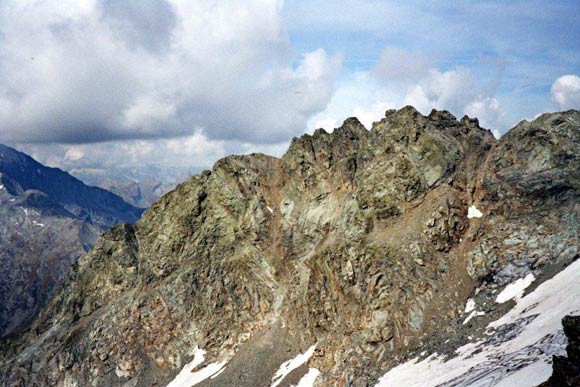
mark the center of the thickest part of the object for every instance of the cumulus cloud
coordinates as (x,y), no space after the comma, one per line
(442,90)
(329,124)
(566,92)
(489,112)
(369,114)
(100,70)
(457,91)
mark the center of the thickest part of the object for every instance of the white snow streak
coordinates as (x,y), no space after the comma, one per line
(270,209)
(473,314)
(473,212)
(290,365)
(470,305)
(187,378)
(308,379)
(537,317)
(515,289)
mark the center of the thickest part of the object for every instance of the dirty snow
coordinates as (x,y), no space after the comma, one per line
(187,378)
(308,379)
(291,365)
(473,212)
(518,349)
(515,289)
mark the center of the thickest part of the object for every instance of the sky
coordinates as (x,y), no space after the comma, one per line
(180,84)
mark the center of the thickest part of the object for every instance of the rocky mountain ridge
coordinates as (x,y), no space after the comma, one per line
(47,220)
(355,248)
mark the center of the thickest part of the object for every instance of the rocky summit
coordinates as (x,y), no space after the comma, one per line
(48,219)
(355,257)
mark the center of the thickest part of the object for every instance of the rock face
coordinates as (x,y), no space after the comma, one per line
(357,241)
(567,368)
(47,220)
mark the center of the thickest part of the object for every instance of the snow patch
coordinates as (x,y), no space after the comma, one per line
(519,353)
(473,212)
(470,305)
(37,223)
(187,378)
(291,365)
(270,209)
(515,289)
(308,379)
(473,314)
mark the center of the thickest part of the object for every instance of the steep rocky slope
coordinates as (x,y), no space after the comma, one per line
(47,220)
(355,248)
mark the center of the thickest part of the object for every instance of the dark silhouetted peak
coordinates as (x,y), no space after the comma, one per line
(94,204)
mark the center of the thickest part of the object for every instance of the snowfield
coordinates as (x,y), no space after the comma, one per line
(515,290)
(187,378)
(519,347)
(308,379)
(291,365)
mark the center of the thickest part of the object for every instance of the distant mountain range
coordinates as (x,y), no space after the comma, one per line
(48,218)
(139,193)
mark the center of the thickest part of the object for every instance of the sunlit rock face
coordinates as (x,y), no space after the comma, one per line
(353,253)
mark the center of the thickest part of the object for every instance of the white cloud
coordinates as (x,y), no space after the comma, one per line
(329,124)
(89,71)
(489,112)
(366,95)
(449,90)
(368,115)
(361,96)
(397,65)
(566,92)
